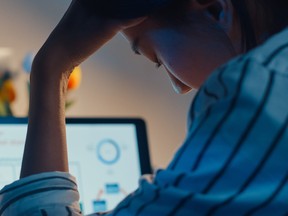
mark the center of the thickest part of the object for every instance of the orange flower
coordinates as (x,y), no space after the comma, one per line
(75,78)
(8,92)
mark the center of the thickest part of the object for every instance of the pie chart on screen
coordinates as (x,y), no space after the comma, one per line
(108,151)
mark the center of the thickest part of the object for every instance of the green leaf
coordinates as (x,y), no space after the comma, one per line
(69,103)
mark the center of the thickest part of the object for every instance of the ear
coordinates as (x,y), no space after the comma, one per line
(216,9)
(201,4)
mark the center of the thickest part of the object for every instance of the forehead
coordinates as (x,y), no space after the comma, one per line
(152,24)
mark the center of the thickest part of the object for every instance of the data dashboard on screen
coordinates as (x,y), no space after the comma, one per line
(104,158)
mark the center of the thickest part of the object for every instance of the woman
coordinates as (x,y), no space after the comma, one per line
(232,162)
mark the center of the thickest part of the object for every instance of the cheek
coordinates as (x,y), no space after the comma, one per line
(192,57)
(169,47)
(183,62)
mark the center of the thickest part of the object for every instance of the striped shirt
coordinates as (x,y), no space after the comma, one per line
(234,159)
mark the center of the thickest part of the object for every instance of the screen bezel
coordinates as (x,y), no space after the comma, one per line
(143,149)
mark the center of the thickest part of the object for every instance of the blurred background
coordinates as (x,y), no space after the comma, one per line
(115,82)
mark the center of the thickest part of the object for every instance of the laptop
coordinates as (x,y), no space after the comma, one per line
(106,155)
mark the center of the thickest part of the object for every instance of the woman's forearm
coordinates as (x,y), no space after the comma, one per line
(45,147)
(75,38)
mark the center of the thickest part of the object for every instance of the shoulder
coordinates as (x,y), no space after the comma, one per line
(245,76)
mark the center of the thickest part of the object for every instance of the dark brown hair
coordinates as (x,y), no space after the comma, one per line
(276,18)
(275,11)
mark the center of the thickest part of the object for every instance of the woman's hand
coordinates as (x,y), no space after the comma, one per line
(78,35)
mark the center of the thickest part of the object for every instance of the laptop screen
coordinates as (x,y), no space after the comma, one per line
(107,157)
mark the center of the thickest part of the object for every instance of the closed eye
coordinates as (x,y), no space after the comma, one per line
(134,46)
(158,64)
(135,49)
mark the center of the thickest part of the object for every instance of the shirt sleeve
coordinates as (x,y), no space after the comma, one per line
(44,194)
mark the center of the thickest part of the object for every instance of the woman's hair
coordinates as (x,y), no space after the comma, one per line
(248,34)
(174,11)
(274,15)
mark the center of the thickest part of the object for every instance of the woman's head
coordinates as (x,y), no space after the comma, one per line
(192,37)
